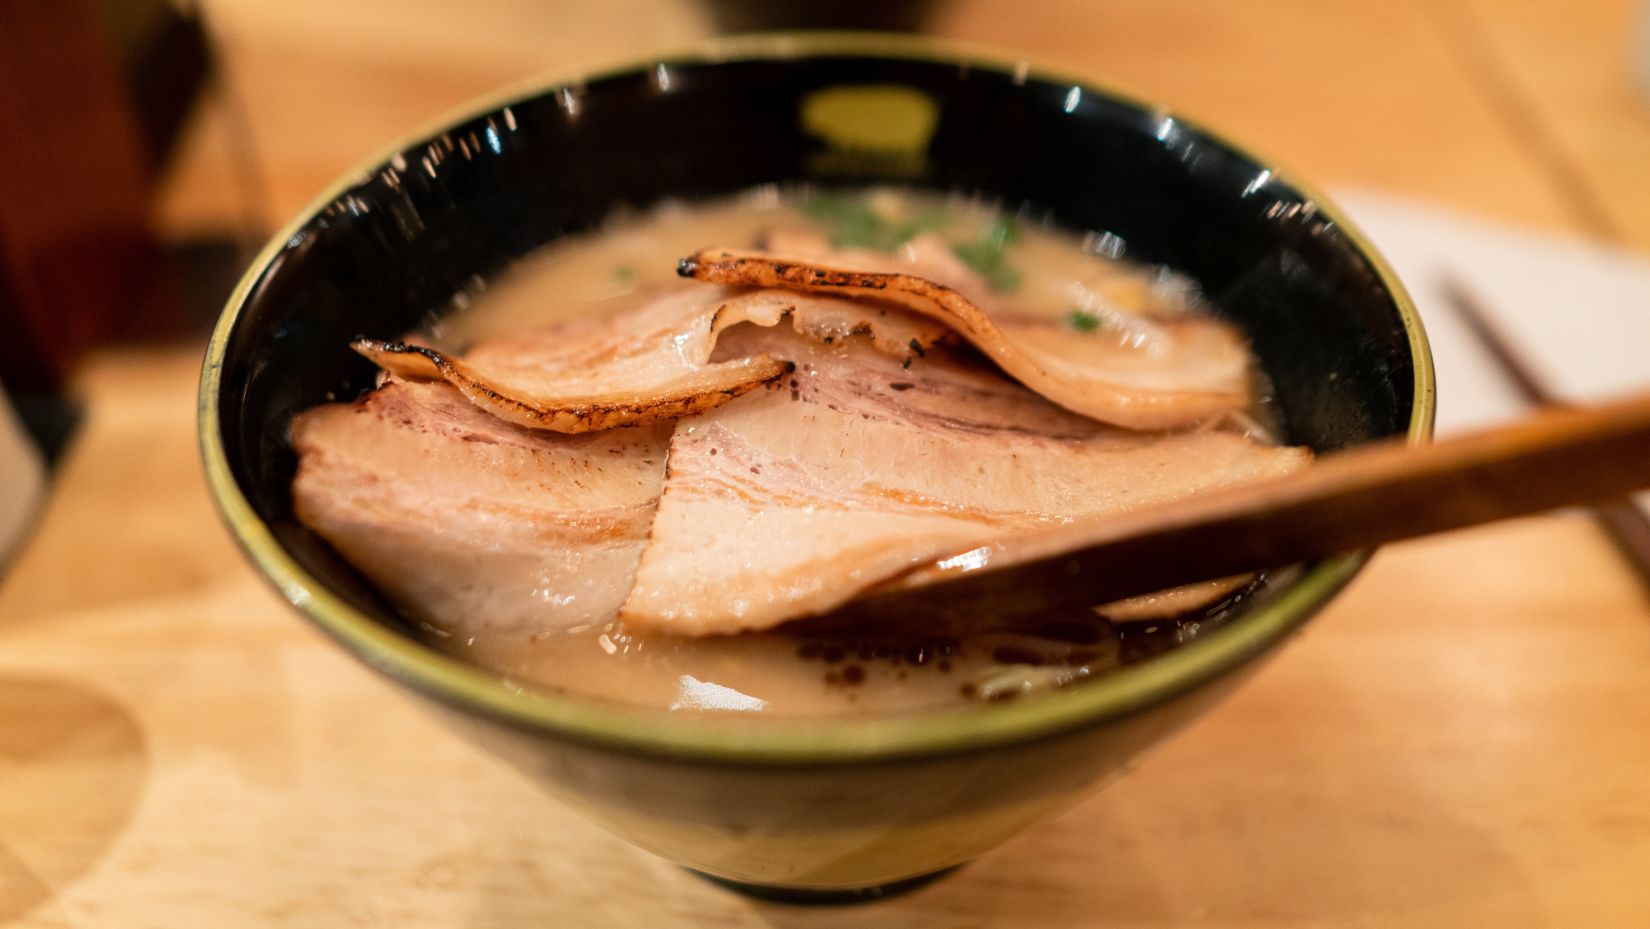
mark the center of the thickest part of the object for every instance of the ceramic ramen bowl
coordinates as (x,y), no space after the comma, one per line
(828,808)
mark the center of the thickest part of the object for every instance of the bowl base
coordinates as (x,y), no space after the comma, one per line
(804,896)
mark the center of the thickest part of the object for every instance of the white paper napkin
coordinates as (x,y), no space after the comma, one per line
(1576,312)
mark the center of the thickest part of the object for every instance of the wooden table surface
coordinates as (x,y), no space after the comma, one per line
(1463,739)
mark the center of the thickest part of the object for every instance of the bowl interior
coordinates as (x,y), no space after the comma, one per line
(388,252)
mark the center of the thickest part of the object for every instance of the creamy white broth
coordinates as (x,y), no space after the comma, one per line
(1056,272)
(1045,271)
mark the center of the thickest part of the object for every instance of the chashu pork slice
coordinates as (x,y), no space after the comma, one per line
(477,526)
(646,365)
(1154,375)
(790,501)
(1162,353)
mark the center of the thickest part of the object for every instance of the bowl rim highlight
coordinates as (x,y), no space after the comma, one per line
(794,742)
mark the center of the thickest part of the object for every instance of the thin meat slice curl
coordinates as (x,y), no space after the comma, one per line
(1195,370)
(1162,354)
(789,502)
(1176,601)
(647,365)
(478,527)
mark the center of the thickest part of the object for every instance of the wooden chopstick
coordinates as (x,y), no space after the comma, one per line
(1625,522)
(1344,502)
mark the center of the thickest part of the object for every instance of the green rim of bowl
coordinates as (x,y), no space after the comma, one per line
(789,742)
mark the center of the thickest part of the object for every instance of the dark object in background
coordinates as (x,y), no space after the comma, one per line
(92,96)
(769,15)
(164,61)
(74,188)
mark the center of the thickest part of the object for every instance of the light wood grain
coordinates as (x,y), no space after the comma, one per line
(1387,95)
(1459,741)
(317,86)
(1366,93)
(1559,70)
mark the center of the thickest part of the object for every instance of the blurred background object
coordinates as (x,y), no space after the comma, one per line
(93,94)
(767,15)
(22,480)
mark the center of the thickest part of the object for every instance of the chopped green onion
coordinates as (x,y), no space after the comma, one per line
(988,255)
(1001,233)
(1083,321)
(853,223)
(932,219)
(1003,279)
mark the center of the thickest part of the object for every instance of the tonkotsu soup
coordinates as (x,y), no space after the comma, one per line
(635,466)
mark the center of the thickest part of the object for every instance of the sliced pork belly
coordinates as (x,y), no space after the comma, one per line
(479,526)
(790,501)
(647,365)
(643,366)
(1205,353)
(1188,370)
(826,319)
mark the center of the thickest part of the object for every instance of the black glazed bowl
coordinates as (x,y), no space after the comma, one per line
(815,806)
